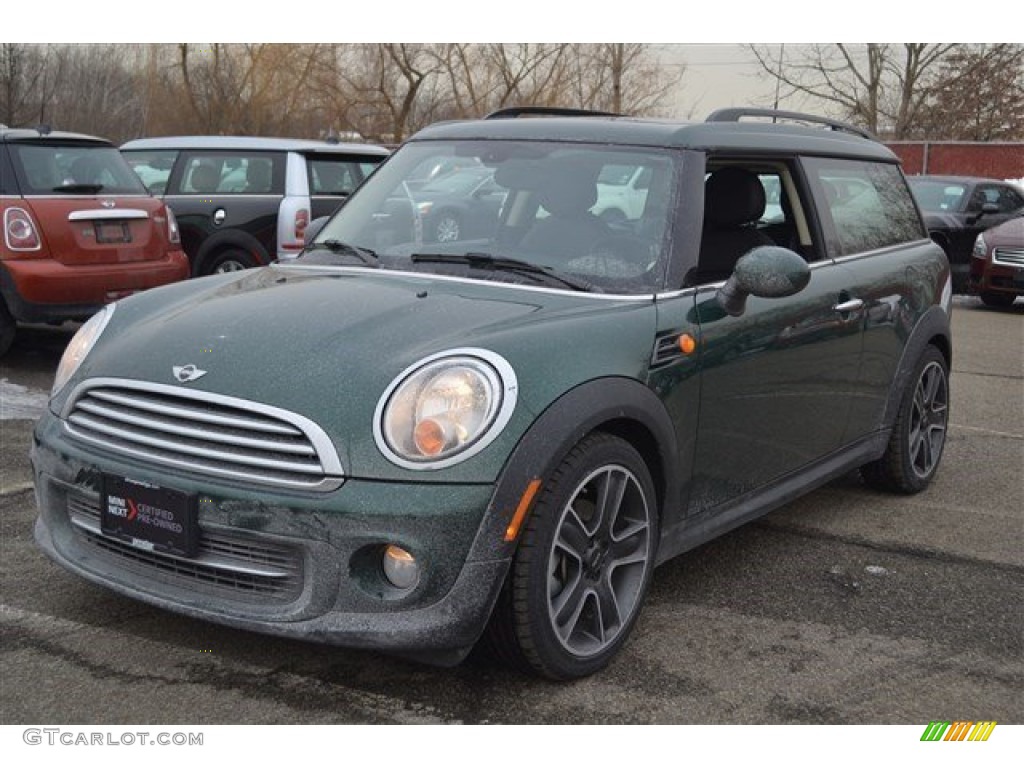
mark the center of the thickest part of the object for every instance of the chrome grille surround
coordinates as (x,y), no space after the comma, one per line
(1009,257)
(203,433)
(232,566)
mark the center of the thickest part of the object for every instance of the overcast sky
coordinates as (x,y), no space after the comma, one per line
(719,73)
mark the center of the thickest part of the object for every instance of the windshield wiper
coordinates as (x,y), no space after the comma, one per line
(84,189)
(365,255)
(505,264)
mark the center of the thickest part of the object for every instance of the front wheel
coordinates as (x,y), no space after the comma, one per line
(583,565)
(448,227)
(919,434)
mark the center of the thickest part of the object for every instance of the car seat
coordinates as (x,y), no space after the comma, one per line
(205,179)
(734,202)
(571,230)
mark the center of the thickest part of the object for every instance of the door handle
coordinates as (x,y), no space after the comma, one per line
(853,305)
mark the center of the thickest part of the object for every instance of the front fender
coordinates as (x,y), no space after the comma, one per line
(621,406)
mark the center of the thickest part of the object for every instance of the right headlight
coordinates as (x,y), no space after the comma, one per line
(81,343)
(445,408)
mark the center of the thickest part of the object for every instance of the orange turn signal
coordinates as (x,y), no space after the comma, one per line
(524,506)
(429,437)
(687,344)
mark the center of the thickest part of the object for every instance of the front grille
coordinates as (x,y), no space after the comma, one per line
(1012,257)
(204,433)
(228,565)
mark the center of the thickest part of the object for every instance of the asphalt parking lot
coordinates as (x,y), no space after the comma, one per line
(847,607)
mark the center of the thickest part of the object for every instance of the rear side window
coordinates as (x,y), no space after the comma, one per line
(865,206)
(232,173)
(47,169)
(1005,198)
(337,176)
(153,166)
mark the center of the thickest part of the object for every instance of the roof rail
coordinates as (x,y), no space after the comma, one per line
(733,115)
(549,111)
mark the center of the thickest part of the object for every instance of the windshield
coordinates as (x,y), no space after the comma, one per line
(49,168)
(529,212)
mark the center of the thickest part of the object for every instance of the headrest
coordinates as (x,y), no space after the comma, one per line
(568,193)
(205,178)
(733,196)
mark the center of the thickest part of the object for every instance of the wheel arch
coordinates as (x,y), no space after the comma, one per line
(619,406)
(221,241)
(933,329)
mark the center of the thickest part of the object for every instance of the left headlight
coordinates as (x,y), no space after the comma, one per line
(445,408)
(980,248)
(79,347)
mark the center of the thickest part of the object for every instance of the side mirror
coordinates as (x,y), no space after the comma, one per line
(314,227)
(769,272)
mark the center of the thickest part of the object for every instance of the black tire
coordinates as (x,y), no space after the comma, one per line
(583,565)
(8,327)
(919,433)
(229,260)
(992,299)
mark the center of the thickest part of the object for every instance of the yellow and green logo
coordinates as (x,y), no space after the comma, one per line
(958,730)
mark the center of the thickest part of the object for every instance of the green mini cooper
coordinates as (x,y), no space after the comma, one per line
(413,444)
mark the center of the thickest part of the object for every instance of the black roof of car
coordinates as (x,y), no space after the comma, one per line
(753,137)
(36,135)
(966,180)
(254,143)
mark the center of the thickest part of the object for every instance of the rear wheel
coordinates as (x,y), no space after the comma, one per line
(583,565)
(230,260)
(8,327)
(919,434)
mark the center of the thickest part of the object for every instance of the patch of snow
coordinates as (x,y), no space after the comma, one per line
(18,402)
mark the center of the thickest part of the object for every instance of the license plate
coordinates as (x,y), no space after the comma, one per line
(113,232)
(148,516)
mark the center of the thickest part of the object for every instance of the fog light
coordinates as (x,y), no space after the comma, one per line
(400,568)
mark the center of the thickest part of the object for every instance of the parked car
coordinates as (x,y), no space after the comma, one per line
(621,192)
(80,229)
(459,205)
(997,264)
(498,437)
(958,208)
(245,201)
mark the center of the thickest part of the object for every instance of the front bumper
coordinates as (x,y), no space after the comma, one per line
(299,565)
(988,276)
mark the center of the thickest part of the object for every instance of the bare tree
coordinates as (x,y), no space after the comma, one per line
(980,96)
(27,77)
(624,78)
(882,86)
(98,90)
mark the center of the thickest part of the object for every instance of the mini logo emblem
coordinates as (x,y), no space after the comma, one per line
(187,373)
(107,203)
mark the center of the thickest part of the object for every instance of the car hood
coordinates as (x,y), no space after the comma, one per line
(327,343)
(1008,234)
